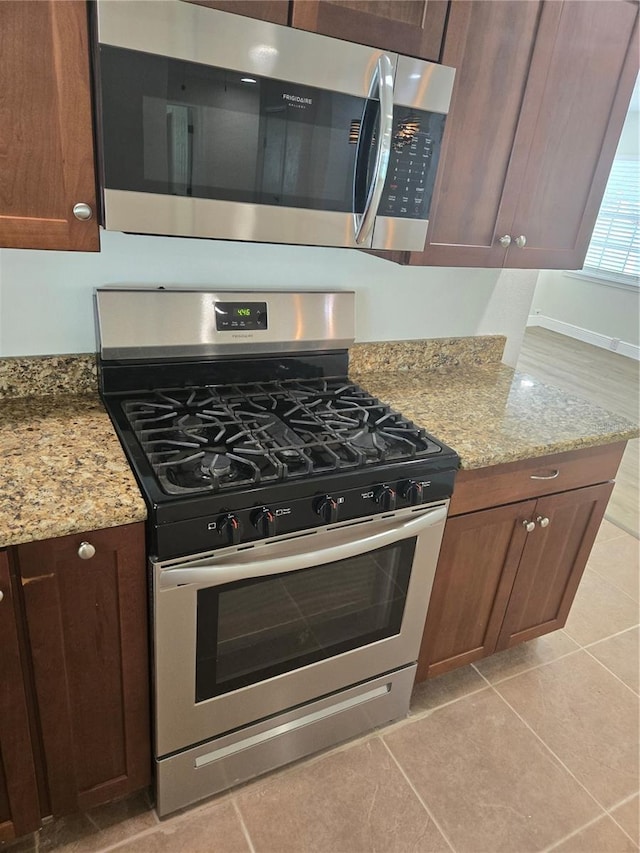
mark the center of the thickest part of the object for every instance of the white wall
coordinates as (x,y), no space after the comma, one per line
(588,310)
(47,308)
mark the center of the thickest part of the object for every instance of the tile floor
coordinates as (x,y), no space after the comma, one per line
(535,748)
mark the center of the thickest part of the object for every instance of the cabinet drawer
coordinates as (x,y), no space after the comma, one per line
(530,478)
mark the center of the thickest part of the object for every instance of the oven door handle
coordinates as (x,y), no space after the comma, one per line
(236,566)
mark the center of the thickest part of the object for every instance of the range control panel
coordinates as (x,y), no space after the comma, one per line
(236,316)
(415,150)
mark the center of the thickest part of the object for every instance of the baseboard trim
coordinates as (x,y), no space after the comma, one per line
(586,335)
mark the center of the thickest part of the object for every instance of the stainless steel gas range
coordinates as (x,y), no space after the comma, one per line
(294,526)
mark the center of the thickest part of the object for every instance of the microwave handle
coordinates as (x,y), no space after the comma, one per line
(383,81)
(384,532)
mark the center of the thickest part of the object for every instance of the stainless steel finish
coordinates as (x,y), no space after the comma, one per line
(404,235)
(543,522)
(86,551)
(505,241)
(174,215)
(555,474)
(247,45)
(382,82)
(423,85)
(521,241)
(173,322)
(180,721)
(228,760)
(285,556)
(529,526)
(82,211)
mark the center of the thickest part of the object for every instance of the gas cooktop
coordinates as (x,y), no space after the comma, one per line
(226,437)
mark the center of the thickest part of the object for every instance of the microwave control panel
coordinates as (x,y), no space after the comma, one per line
(415,149)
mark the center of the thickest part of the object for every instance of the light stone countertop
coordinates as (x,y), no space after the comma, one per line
(491,414)
(62,469)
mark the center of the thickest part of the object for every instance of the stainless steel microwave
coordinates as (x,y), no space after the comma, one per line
(216,125)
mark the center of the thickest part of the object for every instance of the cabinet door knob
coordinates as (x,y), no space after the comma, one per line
(521,241)
(543,522)
(86,551)
(82,211)
(529,526)
(505,241)
(1,595)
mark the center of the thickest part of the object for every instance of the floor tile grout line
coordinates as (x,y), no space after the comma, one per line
(619,825)
(551,752)
(611,636)
(246,832)
(608,581)
(575,832)
(530,668)
(617,677)
(420,800)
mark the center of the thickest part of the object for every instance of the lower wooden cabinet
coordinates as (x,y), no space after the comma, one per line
(509,573)
(19,803)
(74,713)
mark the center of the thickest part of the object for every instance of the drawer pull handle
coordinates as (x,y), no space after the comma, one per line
(529,526)
(86,551)
(542,521)
(555,474)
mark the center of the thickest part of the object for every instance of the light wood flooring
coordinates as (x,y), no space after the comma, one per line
(607,379)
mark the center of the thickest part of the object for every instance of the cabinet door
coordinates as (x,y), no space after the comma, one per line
(19,805)
(578,92)
(87,627)
(478,560)
(490,45)
(46,143)
(411,27)
(552,564)
(276,11)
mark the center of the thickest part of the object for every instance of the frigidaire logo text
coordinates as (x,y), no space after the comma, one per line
(296,98)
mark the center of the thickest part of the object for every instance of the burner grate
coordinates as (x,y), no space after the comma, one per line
(230,436)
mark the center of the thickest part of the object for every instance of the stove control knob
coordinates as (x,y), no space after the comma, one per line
(229,526)
(411,491)
(327,508)
(385,496)
(264,521)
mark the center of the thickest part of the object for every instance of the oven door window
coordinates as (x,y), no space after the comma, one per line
(251,630)
(187,129)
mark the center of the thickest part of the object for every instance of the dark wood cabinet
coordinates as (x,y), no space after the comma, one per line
(541,93)
(411,27)
(46,153)
(87,635)
(509,573)
(19,803)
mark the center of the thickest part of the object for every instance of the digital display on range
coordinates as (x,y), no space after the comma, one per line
(248,316)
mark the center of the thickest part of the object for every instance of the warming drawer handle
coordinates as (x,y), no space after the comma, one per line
(383,81)
(236,566)
(549,477)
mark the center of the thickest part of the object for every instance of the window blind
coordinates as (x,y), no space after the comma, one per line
(615,244)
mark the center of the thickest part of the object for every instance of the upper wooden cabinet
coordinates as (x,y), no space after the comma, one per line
(46,144)
(411,27)
(541,93)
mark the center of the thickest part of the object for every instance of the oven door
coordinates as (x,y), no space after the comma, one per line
(247,633)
